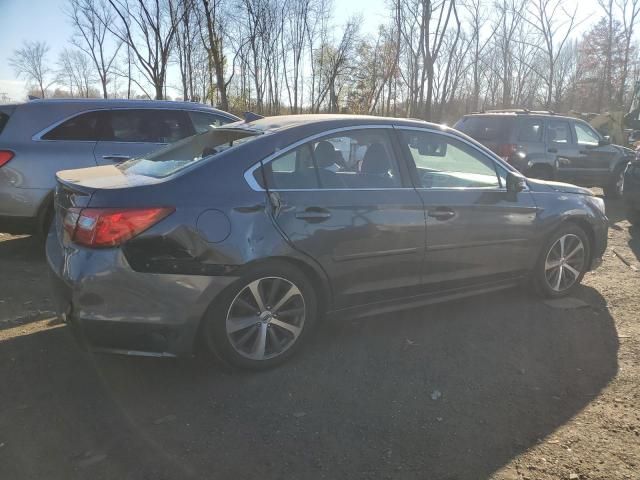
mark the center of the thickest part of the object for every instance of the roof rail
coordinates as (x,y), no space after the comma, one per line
(507,110)
(520,110)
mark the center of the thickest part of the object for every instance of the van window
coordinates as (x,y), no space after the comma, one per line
(86,127)
(203,121)
(149,125)
(487,128)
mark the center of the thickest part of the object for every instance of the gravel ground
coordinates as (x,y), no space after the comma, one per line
(503,386)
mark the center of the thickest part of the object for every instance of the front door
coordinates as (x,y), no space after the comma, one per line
(477,233)
(596,160)
(344,200)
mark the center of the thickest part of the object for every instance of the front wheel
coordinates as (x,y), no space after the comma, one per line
(563,262)
(263,319)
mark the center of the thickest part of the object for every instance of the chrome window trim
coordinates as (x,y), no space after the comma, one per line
(253,184)
(37,137)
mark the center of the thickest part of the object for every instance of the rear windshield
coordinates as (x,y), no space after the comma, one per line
(486,128)
(187,152)
(4,118)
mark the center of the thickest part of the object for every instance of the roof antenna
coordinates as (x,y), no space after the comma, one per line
(33,97)
(250,117)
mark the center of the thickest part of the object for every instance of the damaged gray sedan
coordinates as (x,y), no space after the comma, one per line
(242,238)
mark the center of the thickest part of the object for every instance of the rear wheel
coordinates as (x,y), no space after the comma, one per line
(263,319)
(615,188)
(563,262)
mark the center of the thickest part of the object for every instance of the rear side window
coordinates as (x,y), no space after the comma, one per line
(4,118)
(530,130)
(487,128)
(149,126)
(203,121)
(358,159)
(90,126)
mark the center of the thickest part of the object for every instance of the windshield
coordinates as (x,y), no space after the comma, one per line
(178,156)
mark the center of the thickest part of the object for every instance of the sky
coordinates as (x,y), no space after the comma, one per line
(45,20)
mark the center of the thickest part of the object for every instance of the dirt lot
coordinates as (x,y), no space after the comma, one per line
(503,386)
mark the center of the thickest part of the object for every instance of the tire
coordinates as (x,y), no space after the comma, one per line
(243,335)
(545,277)
(615,187)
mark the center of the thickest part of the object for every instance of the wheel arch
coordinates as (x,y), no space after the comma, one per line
(314,273)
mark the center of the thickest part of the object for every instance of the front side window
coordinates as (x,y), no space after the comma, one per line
(558,132)
(355,159)
(444,162)
(149,126)
(203,121)
(585,135)
(86,127)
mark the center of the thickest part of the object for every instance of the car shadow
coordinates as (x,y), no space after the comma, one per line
(615,211)
(450,391)
(26,248)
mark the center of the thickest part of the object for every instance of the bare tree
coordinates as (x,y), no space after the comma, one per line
(76,66)
(30,62)
(630,12)
(91,20)
(148,28)
(217,60)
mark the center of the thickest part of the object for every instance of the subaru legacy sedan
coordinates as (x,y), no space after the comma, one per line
(240,239)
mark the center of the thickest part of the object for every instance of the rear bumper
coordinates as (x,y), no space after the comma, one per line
(112,308)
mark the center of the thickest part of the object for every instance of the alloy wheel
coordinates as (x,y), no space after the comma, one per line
(265,318)
(565,262)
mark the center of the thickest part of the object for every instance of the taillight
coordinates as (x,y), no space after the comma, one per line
(5,156)
(506,150)
(109,227)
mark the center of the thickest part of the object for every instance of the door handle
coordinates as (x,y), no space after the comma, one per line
(584,152)
(116,157)
(553,150)
(314,214)
(441,213)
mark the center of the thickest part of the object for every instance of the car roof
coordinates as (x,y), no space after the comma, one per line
(122,103)
(329,121)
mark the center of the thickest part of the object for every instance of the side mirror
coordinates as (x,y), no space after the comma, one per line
(604,141)
(515,182)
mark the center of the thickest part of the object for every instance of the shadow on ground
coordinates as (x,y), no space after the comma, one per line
(452,391)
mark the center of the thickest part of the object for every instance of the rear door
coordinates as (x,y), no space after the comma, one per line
(344,200)
(477,232)
(135,132)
